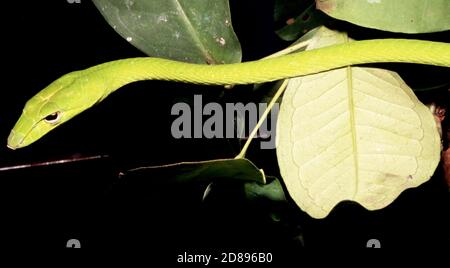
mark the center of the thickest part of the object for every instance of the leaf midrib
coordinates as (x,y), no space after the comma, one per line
(193,32)
(351,108)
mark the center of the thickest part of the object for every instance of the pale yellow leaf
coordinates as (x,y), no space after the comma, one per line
(353,134)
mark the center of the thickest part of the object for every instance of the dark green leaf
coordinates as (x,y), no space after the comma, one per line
(407,16)
(203,171)
(273,190)
(306,21)
(198,31)
(286,9)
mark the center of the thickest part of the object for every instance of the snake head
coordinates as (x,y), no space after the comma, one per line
(56,104)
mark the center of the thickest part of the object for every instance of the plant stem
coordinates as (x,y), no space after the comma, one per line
(261,119)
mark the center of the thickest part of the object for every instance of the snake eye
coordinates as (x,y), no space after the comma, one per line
(52,118)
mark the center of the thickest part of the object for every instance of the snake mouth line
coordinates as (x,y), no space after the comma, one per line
(10,147)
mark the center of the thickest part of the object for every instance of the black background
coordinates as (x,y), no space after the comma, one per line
(46,206)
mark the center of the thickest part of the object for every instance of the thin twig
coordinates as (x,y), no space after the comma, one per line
(54,162)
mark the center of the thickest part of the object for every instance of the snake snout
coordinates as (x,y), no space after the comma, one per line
(14,140)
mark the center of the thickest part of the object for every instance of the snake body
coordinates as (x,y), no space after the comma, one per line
(77,91)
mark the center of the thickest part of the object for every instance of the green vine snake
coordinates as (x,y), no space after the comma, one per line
(77,91)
